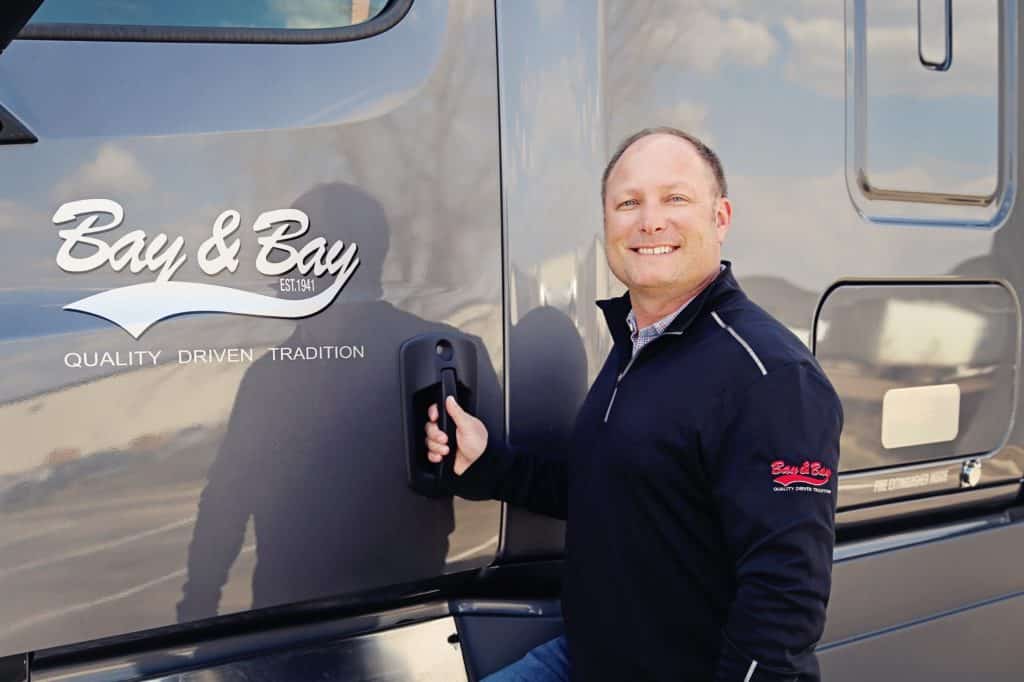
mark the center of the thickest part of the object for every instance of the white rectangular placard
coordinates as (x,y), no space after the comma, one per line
(919,415)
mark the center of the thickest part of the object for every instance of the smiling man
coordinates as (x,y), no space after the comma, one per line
(699,489)
(666,215)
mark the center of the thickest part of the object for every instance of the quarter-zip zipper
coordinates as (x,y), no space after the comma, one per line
(621,376)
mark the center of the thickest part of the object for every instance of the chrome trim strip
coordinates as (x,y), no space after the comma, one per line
(505,607)
(888,542)
(880,194)
(895,510)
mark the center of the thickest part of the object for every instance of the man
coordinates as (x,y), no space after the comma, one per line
(700,487)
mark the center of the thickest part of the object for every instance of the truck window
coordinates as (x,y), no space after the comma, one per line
(224,21)
(277,14)
(919,71)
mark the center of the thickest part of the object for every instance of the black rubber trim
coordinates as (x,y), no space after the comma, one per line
(168,662)
(13,18)
(437,589)
(14,668)
(394,12)
(532,580)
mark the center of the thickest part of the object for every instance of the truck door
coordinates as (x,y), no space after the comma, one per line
(233,217)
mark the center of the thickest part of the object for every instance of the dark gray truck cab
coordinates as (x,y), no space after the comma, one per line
(224,221)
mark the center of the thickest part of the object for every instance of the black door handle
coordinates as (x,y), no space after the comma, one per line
(449,387)
(433,367)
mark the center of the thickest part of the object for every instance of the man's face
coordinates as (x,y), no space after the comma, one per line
(664,222)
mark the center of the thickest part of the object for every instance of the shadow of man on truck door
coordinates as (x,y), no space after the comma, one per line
(314,450)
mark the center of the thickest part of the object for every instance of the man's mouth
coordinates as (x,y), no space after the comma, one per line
(654,250)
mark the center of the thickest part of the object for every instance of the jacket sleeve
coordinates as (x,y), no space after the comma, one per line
(520,477)
(774,484)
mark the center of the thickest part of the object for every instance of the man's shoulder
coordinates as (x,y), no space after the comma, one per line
(768,343)
(761,359)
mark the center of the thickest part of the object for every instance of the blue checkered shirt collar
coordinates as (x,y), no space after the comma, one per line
(642,337)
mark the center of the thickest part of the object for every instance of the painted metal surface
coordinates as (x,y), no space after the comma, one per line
(878,599)
(225,462)
(551,161)
(976,642)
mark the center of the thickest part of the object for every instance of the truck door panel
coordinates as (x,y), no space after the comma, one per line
(238,453)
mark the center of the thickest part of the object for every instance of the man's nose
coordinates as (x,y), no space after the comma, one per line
(653,221)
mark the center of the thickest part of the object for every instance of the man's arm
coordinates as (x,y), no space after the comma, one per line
(485,468)
(775,489)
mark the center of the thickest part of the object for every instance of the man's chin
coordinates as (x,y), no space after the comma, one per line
(656,287)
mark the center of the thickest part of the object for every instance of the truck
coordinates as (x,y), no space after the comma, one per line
(246,244)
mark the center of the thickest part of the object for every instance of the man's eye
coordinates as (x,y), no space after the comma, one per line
(677,198)
(628,202)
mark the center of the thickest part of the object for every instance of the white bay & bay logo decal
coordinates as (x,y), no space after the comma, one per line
(137,307)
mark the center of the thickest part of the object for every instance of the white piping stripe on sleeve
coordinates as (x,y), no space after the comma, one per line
(741,341)
(750,671)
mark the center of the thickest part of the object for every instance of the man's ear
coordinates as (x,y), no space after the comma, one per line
(723,217)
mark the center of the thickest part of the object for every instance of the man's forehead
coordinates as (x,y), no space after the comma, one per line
(668,159)
(665,183)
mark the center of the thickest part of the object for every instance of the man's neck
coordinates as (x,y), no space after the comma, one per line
(651,308)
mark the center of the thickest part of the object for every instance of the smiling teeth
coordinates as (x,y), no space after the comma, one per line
(656,251)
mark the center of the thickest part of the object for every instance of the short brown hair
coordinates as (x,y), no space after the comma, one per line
(705,152)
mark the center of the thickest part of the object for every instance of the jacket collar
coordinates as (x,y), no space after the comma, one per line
(616,309)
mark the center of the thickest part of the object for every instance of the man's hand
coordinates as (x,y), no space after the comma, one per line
(470,433)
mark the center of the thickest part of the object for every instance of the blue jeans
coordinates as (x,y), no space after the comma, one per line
(548,662)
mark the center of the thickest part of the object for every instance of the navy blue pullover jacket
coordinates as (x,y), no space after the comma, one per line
(700,494)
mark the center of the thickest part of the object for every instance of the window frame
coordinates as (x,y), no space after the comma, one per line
(392,13)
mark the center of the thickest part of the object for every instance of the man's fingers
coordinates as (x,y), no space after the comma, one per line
(435,434)
(435,449)
(437,439)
